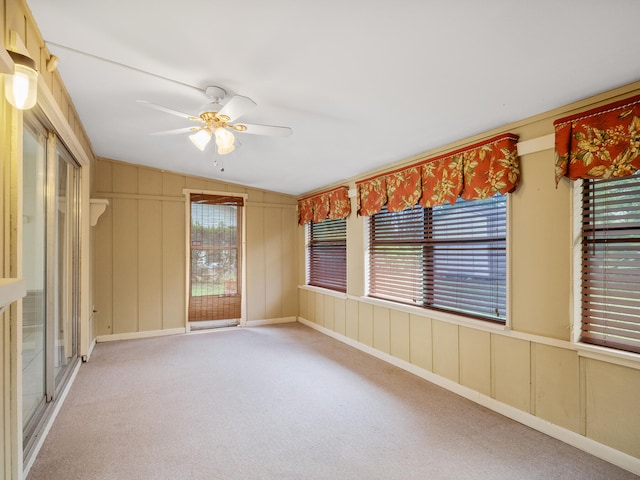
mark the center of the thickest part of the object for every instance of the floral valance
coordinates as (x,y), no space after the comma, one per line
(330,205)
(600,143)
(474,172)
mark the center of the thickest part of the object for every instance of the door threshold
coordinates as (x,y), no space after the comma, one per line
(212,324)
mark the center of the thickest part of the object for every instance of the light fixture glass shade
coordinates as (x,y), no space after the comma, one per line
(224,139)
(21,88)
(225,150)
(201,138)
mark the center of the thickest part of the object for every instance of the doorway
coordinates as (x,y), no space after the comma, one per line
(215,279)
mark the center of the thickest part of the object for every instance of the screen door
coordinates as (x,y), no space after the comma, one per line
(215,292)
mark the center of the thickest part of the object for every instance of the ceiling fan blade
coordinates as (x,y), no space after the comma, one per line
(236,107)
(177,131)
(270,130)
(169,110)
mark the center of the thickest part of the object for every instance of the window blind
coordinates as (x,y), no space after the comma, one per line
(449,257)
(611,262)
(327,254)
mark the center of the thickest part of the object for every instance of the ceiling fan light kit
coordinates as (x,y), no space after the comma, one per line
(215,119)
(201,138)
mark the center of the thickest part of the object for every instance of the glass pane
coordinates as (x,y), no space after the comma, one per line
(215,256)
(33,268)
(64,334)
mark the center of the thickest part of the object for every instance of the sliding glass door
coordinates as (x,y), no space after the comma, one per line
(65,232)
(50,235)
(33,270)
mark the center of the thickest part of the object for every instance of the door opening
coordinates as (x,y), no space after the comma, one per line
(215,293)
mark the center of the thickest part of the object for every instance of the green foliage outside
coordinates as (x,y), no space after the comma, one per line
(213,271)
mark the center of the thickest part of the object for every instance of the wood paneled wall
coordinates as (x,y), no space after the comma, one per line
(531,365)
(139,257)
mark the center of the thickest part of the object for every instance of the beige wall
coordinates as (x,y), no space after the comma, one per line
(532,365)
(140,271)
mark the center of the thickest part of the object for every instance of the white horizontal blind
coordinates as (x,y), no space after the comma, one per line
(611,262)
(327,254)
(450,257)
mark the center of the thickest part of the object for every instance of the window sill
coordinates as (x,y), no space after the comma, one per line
(608,355)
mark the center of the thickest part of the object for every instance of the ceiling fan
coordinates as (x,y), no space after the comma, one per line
(215,121)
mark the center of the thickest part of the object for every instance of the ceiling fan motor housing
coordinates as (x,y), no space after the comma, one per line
(216,94)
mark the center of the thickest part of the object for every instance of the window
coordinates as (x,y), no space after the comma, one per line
(450,257)
(327,254)
(610,287)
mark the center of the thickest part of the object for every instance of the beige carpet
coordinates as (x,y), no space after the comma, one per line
(283,402)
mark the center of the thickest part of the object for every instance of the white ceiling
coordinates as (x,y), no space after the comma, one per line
(362,83)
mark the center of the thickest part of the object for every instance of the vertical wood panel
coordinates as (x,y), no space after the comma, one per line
(196,183)
(319,315)
(311,306)
(540,232)
(255,196)
(289,257)
(329,312)
(149,265)
(273,262)
(103,272)
(172,184)
(125,266)
(511,371)
(557,387)
(340,325)
(355,259)
(303,304)
(256,296)
(365,323)
(381,329)
(5,398)
(125,178)
(445,350)
(301,266)
(149,181)
(105,176)
(421,342)
(475,360)
(173,265)
(352,319)
(613,415)
(400,335)
(221,187)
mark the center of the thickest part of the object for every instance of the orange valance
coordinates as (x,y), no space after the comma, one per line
(330,205)
(475,172)
(601,143)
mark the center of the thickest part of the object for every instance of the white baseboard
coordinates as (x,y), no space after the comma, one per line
(90,350)
(270,321)
(135,335)
(574,439)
